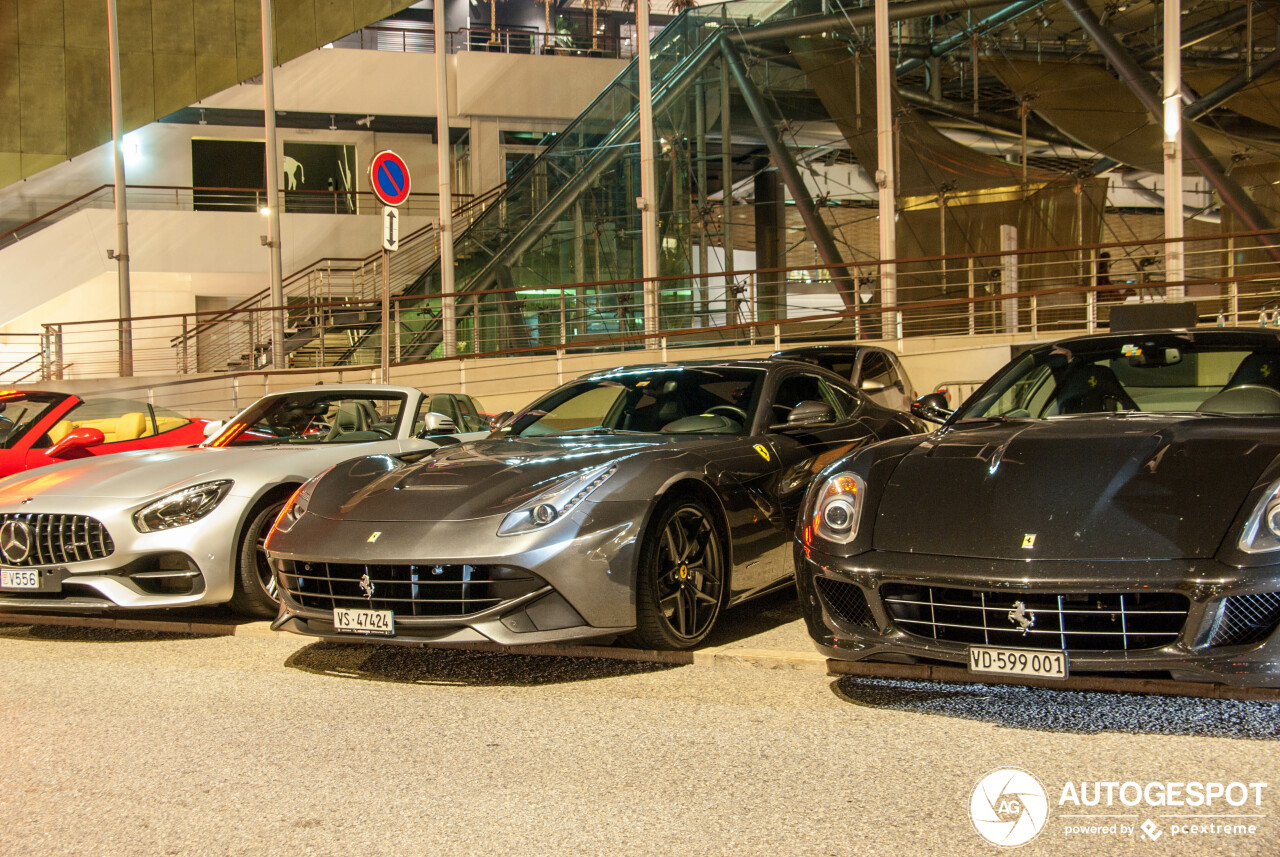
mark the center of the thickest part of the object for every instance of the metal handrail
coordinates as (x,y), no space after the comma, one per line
(12,234)
(462,212)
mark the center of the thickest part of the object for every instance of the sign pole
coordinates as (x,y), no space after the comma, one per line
(386,316)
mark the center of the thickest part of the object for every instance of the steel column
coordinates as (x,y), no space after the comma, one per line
(275,266)
(448,312)
(1142,85)
(818,231)
(885,175)
(122,215)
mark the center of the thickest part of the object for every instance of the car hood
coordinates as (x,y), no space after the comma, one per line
(488,477)
(147,473)
(1113,487)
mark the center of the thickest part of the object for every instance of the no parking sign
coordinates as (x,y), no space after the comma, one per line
(389,176)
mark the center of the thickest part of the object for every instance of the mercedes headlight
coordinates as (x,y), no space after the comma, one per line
(296,506)
(556,502)
(836,509)
(1262,530)
(181,507)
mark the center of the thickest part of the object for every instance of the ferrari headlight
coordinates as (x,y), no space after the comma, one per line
(1262,531)
(181,507)
(836,509)
(297,505)
(556,502)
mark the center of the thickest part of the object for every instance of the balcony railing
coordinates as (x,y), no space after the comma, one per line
(410,38)
(224,199)
(1052,292)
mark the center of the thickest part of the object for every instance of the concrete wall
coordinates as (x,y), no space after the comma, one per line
(62,274)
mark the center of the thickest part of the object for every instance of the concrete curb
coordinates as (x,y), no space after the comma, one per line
(718,656)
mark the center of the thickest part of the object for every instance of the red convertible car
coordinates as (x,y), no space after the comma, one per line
(38,428)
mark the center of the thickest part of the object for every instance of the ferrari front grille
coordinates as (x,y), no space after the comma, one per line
(845,601)
(1073,622)
(426,590)
(28,539)
(1247,619)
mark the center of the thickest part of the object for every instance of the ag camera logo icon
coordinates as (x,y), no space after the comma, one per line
(1008,807)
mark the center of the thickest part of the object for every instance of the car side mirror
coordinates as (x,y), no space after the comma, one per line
(932,407)
(501,421)
(810,414)
(76,439)
(436,424)
(211,429)
(870,385)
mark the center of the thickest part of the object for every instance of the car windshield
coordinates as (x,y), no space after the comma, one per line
(20,410)
(671,400)
(1160,374)
(315,417)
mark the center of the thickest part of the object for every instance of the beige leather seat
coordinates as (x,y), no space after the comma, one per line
(60,429)
(131,426)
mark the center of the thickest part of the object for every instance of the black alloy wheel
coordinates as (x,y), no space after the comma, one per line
(681,581)
(256,591)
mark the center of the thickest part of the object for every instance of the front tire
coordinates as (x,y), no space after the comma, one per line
(680,582)
(255,593)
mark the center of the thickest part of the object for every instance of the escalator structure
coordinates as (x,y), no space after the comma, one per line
(738,89)
(569,214)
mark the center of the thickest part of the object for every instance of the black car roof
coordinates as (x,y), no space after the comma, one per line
(825,349)
(761,363)
(1252,338)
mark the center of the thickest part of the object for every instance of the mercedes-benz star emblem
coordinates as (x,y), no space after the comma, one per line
(366,585)
(1022,617)
(15,541)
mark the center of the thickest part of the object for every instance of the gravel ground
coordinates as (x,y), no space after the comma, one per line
(117,742)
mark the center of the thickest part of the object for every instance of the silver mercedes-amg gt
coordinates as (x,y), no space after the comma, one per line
(635,501)
(177,527)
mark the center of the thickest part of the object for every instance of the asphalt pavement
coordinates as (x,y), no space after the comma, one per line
(124,742)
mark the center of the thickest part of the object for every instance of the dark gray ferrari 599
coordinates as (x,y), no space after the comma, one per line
(1103,504)
(639,501)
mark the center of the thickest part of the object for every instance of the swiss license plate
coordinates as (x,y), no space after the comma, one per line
(352,621)
(1041,664)
(19,578)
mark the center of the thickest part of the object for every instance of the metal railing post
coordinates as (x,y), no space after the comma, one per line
(1233,287)
(184,369)
(973,305)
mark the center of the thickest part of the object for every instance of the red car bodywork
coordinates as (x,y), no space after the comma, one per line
(39,428)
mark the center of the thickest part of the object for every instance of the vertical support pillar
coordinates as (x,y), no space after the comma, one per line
(648,201)
(885,174)
(1009,276)
(122,217)
(771,244)
(275,266)
(448,311)
(700,136)
(726,171)
(1174,261)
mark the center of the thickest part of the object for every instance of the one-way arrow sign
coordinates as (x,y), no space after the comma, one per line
(390,228)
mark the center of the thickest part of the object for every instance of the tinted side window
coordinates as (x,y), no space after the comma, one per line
(876,368)
(810,388)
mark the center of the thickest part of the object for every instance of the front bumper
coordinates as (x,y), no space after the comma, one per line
(179,567)
(1193,652)
(458,581)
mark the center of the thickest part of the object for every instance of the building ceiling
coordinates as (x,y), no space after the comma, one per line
(55,77)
